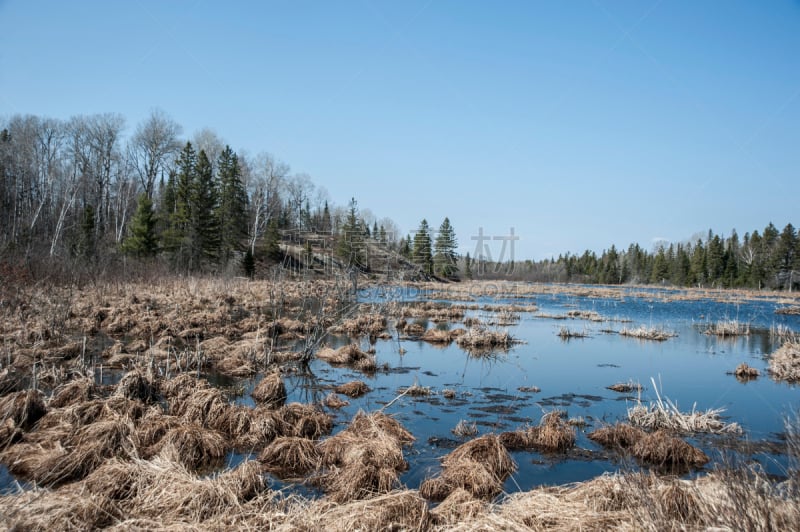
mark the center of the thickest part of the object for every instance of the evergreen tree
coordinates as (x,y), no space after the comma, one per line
(467,266)
(445,250)
(177,238)
(405,247)
(248,263)
(382,234)
(272,239)
(326,224)
(203,207)
(142,240)
(422,254)
(86,244)
(232,209)
(697,270)
(350,245)
(784,256)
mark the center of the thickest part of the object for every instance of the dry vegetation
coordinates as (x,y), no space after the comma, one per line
(647,333)
(141,454)
(745,373)
(727,328)
(664,414)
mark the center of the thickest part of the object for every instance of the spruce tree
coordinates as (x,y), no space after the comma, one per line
(422,254)
(203,207)
(249,263)
(272,239)
(142,240)
(232,208)
(350,241)
(177,238)
(444,257)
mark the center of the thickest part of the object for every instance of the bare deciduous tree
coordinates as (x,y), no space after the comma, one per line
(152,145)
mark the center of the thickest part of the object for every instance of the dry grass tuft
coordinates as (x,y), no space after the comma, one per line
(745,373)
(479,466)
(348,354)
(553,434)
(458,507)
(664,414)
(449,393)
(667,452)
(618,436)
(271,391)
(626,387)
(648,333)
(439,336)
(9,433)
(479,340)
(290,457)
(784,363)
(193,446)
(305,421)
(565,333)
(727,328)
(73,392)
(464,429)
(136,385)
(353,389)
(364,459)
(334,401)
(23,408)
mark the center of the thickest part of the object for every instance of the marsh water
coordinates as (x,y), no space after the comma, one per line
(691,369)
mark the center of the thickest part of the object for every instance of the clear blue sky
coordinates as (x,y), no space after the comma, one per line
(579,124)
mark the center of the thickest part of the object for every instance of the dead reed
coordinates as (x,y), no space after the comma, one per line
(270,391)
(353,389)
(618,436)
(784,363)
(192,445)
(553,434)
(464,429)
(479,467)
(727,328)
(648,333)
(290,457)
(334,401)
(24,408)
(664,414)
(745,373)
(136,385)
(73,392)
(667,452)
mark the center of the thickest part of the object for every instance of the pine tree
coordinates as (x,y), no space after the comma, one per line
(445,250)
(382,234)
(272,239)
(232,208)
(176,239)
(249,263)
(350,241)
(467,266)
(203,207)
(142,240)
(422,253)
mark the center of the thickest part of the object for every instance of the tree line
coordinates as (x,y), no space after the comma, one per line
(79,193)
(768,259)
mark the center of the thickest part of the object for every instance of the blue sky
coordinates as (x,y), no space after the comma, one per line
(579,124)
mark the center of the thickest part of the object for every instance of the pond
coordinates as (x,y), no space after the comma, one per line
(691,369)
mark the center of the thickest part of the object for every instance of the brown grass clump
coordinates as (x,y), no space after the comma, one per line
(668,452)
(152,429)
(9,433)
(364,459)
(74,391)
(437,336)
(353,389)
(458,507)
(262,426)
(348,354)
(784,363)
(271,391)
(529,389)
(24,408)
(305,421)
(626,387)
(415,390)
(334,401)
(203,406)
(552,435)
(449,393)
(788,311)
(290,457)
(115,478)
(78,455)
(479,339)
(136,385)
(463,429)
(479,466)
(618,436)
(182,386)
(648,333)
(395,510)
(192,445)
(727,328)
(743,372)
